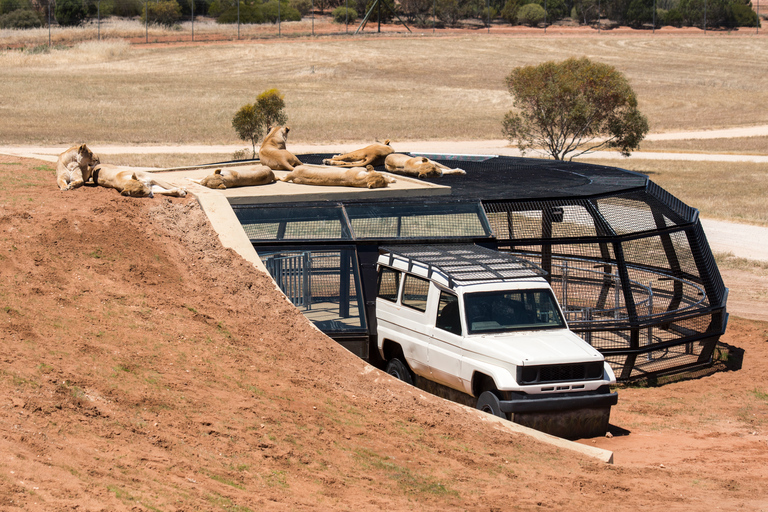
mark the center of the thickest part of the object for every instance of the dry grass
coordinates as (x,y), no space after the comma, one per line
(728,191)
(740,145)
(357,89)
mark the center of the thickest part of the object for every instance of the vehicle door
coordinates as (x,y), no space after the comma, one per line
(413,325)
(446,339)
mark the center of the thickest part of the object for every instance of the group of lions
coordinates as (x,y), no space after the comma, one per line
(77,165)
(354,169)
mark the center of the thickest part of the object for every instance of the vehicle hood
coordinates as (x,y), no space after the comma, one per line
(525,348)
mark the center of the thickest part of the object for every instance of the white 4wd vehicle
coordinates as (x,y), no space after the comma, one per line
(483,328)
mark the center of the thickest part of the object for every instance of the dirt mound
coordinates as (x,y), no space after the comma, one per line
(145,367)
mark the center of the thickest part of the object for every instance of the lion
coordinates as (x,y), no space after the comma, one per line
(133,183)
(417,166)
(229,178)
(369,155)
(272,152)
(74,167)
(362,177)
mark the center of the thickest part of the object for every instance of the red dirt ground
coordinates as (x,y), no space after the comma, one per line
(145,367)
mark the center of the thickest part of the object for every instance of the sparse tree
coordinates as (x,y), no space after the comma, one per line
(253,119)
(573,107)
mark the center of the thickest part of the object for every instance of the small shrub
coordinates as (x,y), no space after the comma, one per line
(287,13)
(340,14)
(303,6)
(249,13)
(21,19)
(164,12)
(509,11)
(531,15)
(8,6)
(127,8)
(70,13)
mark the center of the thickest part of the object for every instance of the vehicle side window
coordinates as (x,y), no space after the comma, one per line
(389,284)
(415,291)
(448,313)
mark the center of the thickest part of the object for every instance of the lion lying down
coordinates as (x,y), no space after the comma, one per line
(369,155)
(244,177)
(363,177)
(74,167)
(133,183)
(417,166)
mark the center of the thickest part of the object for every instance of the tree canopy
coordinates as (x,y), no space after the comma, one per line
(573,107)
(252,120)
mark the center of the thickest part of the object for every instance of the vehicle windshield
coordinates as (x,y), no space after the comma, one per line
(502,311)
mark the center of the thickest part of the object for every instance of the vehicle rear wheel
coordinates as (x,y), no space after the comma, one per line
(400,370)
(489,402)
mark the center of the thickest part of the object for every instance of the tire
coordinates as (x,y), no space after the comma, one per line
(489,402)
(399,370)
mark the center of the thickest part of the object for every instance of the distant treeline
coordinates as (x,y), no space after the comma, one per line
(705,14)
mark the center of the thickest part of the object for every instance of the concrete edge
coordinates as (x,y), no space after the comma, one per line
(502,424)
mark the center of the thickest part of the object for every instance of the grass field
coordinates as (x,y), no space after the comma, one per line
(357,89)
(728,191)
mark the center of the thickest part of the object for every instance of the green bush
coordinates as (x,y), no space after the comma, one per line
(164,12)
(249,14)
(509,11)
(556,9)
(340,14)
(70,13)
(449,11)
(20,18)
(531,15)
(741,15)
(672,17)
(127,8)
(303,6)
(287,13)
(7,6)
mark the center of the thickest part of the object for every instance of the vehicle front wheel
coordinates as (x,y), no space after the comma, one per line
(489,402)
(400,370)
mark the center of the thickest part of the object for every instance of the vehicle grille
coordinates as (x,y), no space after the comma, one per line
(559,373)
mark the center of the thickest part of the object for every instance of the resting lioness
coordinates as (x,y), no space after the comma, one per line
(74,167)
(133,183)
(369,155)
(272,152)
(417,166)
(244,177)
(363,177)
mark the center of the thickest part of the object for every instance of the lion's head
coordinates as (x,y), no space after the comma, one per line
(135,188)
(215,180)
(376,180)
(277,137)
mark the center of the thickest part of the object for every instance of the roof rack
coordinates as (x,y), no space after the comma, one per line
(464,263)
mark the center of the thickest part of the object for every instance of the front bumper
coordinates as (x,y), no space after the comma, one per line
(562,402)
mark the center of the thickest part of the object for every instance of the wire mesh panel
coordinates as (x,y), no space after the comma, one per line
(424,220)
(323,284)
(629,262)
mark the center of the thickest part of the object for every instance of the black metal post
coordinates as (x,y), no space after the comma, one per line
(192,4)
(238,20)
(98,20)
(146,21)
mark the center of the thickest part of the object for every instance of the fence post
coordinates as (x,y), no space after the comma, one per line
(278,19)
(238,20)
(98,20)
(49,23)
(192,4)
(146,21)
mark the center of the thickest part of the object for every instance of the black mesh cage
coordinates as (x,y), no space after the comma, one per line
(629,262)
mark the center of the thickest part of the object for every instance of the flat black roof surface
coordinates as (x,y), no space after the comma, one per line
(515,178)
